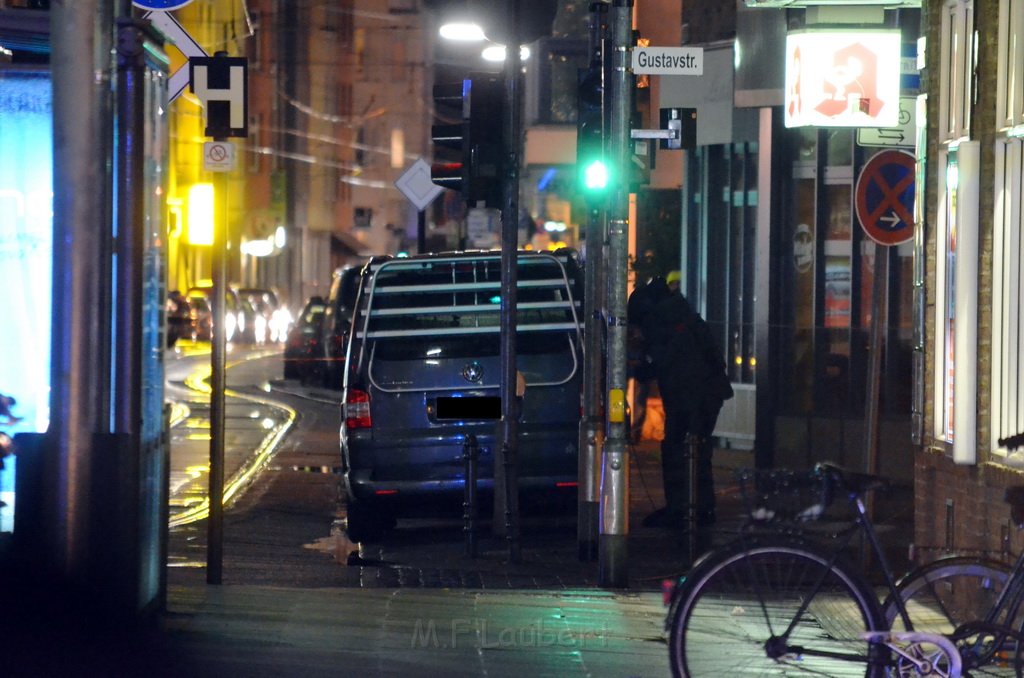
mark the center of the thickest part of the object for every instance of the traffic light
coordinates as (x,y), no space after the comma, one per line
(451,139)
(486,147)
(468,154)
(592,165)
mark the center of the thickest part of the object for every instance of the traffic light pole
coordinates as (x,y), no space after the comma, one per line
(591,434)
(614,511)
(509,443)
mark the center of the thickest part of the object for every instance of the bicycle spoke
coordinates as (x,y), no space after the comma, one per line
(726,626)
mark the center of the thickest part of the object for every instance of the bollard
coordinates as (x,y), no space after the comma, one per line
(470,456)
(693,455)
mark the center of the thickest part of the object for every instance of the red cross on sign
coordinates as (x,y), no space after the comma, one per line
(885,197)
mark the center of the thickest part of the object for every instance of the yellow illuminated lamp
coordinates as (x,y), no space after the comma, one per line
(200,214)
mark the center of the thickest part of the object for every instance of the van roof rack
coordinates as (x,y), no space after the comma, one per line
(459,293)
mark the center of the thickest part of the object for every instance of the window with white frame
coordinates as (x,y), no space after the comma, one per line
(956,303)
(956,72)
(1010,89)
(1007,415)
(1007,410)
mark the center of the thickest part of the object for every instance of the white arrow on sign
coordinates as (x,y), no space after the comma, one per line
(891,218)
(177,34)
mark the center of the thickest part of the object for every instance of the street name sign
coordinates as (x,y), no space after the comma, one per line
(668,60)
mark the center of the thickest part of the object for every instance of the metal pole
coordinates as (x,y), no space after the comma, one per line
(421,232)
(122,481)
(81,43)
(693,442)
(215,526)
(509,428)
(614,528)
(592,425)
(470,457)
(879,297)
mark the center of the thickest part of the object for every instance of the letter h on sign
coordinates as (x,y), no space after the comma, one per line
(222,84)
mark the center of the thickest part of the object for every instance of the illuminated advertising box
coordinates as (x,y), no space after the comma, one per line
(26,244)
(843,78)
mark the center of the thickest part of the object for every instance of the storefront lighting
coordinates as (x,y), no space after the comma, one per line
(280,237)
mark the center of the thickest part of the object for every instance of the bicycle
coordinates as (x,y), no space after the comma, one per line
(777,602)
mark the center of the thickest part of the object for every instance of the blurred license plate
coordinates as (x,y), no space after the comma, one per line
(483,407)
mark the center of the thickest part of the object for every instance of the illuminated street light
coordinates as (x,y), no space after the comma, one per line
(463,31)
(497,53)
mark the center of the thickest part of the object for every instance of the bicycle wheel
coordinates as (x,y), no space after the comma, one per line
(740,614)
(944,594)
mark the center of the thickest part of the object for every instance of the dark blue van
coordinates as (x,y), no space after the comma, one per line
(425,343)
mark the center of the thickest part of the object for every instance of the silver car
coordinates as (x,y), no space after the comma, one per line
(423,372)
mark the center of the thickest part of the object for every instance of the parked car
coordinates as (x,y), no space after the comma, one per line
(278,317)
(303,342)
(234,318)
(180,321)
(254,320)
(202,315)
(336,325)
(423,372)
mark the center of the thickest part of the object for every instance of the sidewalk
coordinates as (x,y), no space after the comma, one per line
(295,603)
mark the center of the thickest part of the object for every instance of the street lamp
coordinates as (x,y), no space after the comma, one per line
(497,53)
(462,31)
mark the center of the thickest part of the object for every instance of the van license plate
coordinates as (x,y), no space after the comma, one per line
(475,408)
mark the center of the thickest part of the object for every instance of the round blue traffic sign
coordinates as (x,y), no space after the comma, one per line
(885,197)
(162,5)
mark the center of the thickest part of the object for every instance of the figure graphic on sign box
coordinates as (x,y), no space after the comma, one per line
(793,106)
(851,83)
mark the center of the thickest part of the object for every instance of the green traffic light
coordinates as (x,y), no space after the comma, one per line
(595,175)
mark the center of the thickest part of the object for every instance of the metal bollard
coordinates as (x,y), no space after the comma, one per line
(470,456)
(693,455)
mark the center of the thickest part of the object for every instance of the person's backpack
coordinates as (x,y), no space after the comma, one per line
(719,384)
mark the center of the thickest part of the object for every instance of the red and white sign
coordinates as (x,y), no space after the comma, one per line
(218,156)
(884,197)
(843,78)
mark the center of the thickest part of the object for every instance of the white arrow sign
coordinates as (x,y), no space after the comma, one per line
(891,218)
(177,34)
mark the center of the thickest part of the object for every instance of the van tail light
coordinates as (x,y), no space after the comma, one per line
(357,409)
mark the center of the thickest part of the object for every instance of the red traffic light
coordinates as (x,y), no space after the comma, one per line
(448,175)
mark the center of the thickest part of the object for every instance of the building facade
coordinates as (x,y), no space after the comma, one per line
(972,306)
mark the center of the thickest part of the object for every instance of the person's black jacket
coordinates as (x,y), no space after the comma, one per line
(687,362)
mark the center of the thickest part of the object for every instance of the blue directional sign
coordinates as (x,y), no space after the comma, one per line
(162,5)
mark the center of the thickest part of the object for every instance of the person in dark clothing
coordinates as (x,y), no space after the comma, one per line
(693,382)
(645,296)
